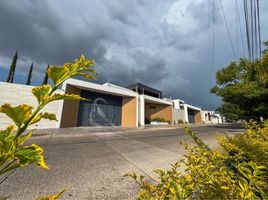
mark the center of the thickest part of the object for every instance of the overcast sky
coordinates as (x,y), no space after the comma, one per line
(165,44)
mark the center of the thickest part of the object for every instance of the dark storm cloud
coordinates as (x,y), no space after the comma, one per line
(164,44)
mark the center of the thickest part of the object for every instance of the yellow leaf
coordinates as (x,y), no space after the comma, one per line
(80,66)
(31,154)
(66,97)
(58,74)
(224,187)
(6,132)
(41,93)
(19,114)
(46,115)
(52,197)
(23,138)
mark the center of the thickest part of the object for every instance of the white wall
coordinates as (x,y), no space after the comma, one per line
(214,119)
(16,94)
(178,115)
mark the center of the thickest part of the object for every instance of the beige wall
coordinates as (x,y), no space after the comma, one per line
(197,117)
(158,110)
(16,94)
(129,111)
(70,109)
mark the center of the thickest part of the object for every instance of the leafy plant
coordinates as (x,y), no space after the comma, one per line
(13,152)
(159,119)
(238,170)
(180,121)
(243,87)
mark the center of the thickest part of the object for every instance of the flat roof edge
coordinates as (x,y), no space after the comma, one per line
(99,88)
(154,99)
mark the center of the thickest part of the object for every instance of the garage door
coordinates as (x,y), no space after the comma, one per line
(101,110)
(191,118)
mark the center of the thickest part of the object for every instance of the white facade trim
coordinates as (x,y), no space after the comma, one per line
(156,100)
(192,107)
(117,91)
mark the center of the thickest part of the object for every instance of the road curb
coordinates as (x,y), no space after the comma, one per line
(51,132)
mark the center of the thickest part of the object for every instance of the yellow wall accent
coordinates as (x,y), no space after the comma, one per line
(158,110)
(70,109)
(197,117)
(129,112)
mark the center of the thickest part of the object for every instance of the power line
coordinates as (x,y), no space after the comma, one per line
(236,30)
(252,35)
(240,27)
(252,21)
(226,24)
(259,27)
(213,35)
(255,30)
(247,27)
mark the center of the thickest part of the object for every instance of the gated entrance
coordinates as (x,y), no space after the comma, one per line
(101,110)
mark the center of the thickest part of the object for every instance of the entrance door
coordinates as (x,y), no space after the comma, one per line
(191,116)
(101,110)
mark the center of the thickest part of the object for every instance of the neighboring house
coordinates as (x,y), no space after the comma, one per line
(151,104)
(186,113)
(212,117)
(112,105)
(108,105)
(178,111)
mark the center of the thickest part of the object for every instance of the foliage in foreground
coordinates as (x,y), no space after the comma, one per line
(13,152)
(238,170)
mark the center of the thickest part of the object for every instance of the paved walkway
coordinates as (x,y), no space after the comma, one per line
(91,166)
(108,129)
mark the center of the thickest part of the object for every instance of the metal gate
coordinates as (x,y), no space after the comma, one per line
(101,110)
(191,116)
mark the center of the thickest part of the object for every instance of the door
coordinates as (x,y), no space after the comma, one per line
(191,116)
(101,110)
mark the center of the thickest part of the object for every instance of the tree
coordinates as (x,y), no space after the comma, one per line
(243,87)
(28,82)
(265,44)
(12,68)
(46,76)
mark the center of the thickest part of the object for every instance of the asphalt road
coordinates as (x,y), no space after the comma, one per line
(92,166)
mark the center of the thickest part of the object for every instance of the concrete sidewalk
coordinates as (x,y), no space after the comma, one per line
(106,130)
(92,166)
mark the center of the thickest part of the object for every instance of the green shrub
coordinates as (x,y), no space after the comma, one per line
(180,121)
(238,170)
(159,119)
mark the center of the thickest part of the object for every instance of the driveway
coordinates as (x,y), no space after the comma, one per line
(91,166)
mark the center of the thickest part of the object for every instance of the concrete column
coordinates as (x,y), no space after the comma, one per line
(137,110)
(186,113)
(141,110)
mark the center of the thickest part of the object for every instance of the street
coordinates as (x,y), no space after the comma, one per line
(92,166)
